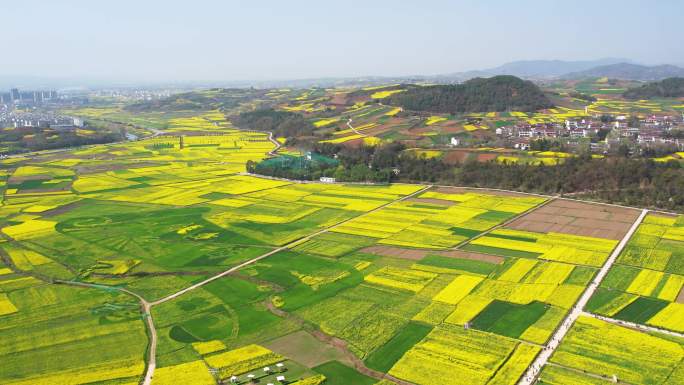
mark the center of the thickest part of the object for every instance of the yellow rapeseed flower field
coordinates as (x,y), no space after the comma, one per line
(460,287)
(672,317)
(30,229)
(192,373)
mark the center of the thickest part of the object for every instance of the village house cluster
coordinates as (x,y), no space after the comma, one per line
(603,131)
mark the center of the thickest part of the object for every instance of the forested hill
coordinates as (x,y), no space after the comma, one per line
(666,88)
(498,93)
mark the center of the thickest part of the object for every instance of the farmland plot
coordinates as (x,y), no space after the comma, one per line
(645,284)
(604,349)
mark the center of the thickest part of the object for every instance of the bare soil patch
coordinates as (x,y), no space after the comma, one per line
(397,252)
(486,157)
(339,99)
(455,156)
(473,256)
(452,128)
(417,254)
(578,218)
(306,349)
(435,201)
(19,179)
(39,191)
(680,297)
(61,209)
(462,190)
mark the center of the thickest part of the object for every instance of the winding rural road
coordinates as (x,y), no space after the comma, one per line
(530,376)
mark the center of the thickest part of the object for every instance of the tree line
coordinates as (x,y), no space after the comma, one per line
(617,179)
(25,139)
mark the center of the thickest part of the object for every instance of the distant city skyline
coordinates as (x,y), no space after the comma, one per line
(174,41)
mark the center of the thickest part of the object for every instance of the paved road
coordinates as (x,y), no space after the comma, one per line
(534,369)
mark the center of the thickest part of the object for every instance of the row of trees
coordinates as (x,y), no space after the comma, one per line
(24,139)
(618,179)
(636,182)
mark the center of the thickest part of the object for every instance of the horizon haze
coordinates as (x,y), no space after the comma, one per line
(171,41)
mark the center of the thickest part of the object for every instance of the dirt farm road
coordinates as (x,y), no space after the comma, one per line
(532,373)
(354,129)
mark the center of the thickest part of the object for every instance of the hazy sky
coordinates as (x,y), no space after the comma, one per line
(263,40)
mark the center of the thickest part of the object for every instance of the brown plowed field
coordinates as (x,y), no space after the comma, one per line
(578,218)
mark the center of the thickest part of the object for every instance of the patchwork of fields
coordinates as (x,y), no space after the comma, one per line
(646,285)
(346,284)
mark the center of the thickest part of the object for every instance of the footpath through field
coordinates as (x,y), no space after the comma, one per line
(535,368)
(147,316)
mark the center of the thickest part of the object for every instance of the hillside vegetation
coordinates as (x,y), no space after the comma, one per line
(281,123)
(498,93)
(667,88)
(218,98)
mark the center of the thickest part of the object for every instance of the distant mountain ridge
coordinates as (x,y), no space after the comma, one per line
(629,71)
(536,68)
(619,68)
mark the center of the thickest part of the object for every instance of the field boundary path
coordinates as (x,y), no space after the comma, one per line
(281,248)
(147,314)
(535,368)
(633,325)
(274,151)
(354,129)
